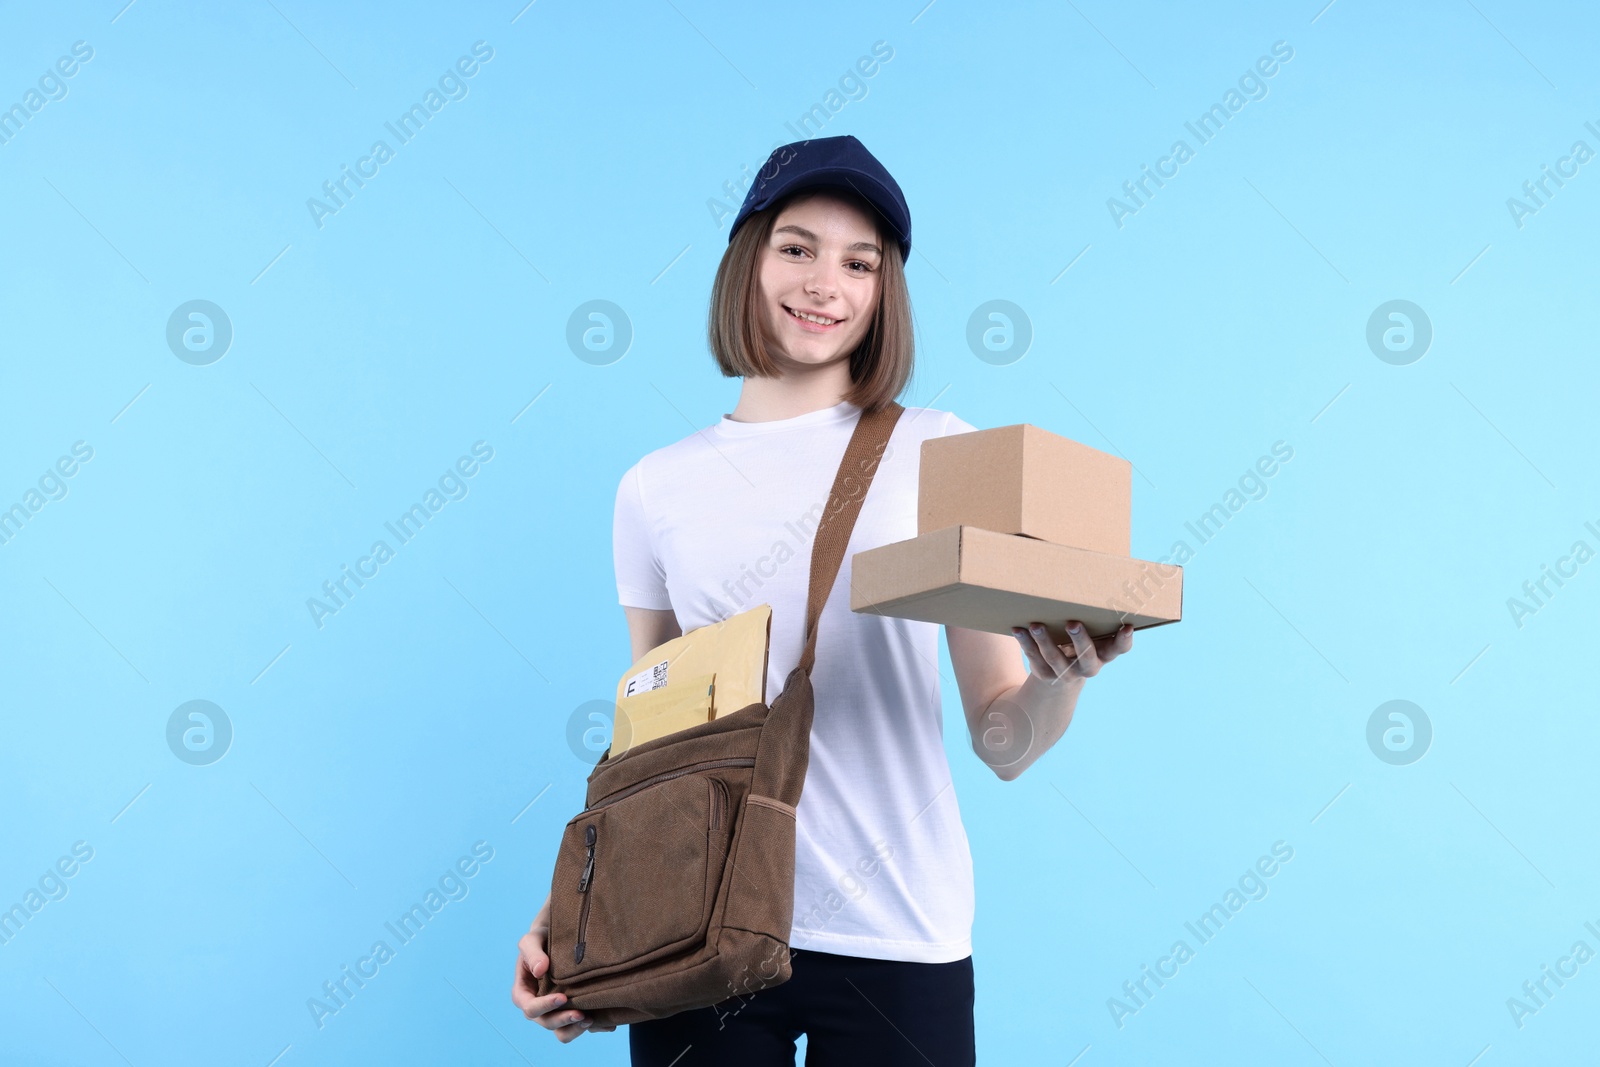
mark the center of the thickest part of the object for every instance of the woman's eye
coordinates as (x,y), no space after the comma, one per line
(864,267)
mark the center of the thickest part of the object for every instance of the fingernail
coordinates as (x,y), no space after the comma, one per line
(585,1022)
(1074,628)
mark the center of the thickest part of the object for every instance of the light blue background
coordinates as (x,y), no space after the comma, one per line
(1229,313)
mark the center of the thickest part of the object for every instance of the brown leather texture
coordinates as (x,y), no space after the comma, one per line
(674,887)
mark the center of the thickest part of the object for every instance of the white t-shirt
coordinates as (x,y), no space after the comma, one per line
(722,521)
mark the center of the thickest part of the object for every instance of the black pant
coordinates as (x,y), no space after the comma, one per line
(852,1011)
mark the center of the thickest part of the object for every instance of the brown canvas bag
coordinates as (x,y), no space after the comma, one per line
(674,887)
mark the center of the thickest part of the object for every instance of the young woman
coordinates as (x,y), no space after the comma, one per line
(810,309)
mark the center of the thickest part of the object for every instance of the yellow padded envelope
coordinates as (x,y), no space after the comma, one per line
(734,650)
(659,712)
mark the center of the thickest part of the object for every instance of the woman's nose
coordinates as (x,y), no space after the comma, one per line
(822,280)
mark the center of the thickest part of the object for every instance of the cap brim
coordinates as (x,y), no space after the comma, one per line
(847,178)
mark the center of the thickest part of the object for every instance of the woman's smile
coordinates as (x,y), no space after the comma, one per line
(812,321)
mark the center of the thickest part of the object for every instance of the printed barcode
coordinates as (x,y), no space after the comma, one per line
(653,677)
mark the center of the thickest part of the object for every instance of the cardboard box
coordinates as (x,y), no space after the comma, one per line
(1024,480)
(983,580)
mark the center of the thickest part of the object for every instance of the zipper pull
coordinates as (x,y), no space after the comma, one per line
(588,864)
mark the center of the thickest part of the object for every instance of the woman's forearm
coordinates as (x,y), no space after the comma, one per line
(1023,722)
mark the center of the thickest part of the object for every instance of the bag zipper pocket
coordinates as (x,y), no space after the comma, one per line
(585,883)
(719,802)
(621,794)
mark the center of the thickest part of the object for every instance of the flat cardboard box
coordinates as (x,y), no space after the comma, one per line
(1024,480)
(982,580)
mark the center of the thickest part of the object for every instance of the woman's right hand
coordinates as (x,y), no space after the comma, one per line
(531,964)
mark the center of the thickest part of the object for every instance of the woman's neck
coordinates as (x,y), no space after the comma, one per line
(770,399)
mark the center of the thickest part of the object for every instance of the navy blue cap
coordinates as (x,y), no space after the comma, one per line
(838,162)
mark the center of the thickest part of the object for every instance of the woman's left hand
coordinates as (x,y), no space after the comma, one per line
(1082,659)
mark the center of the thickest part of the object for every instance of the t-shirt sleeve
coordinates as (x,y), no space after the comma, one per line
(641,580)
(954,423)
